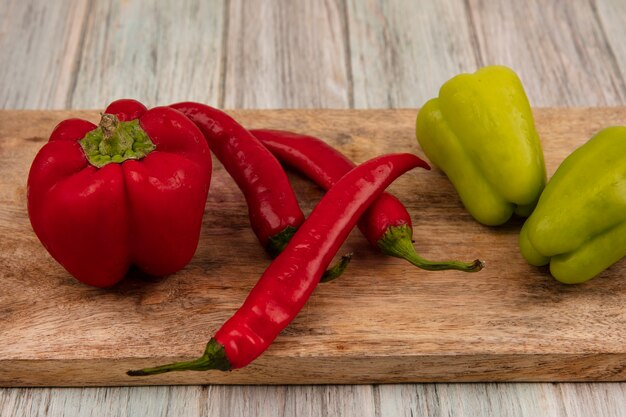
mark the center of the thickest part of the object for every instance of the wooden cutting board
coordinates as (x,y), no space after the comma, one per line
(383,321)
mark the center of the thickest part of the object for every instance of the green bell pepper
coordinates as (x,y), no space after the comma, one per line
(480,133)
(579,225)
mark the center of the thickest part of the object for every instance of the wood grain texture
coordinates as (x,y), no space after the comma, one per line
(611,14)
(509,322)
(105,402)
(39,44)
(282,54)
(520,400)
(401,52)
(32,51)
(558,48)
(405,400)
(157,55)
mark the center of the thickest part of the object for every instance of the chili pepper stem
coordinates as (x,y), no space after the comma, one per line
(279,241)
(336,270)
(214,357)
(397,242)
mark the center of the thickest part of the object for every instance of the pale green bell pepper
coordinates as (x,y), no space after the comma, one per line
(480,133)
(579,225)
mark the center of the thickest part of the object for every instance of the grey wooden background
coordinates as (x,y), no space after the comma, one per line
(295,54)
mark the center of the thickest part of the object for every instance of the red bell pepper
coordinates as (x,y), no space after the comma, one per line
(130,191)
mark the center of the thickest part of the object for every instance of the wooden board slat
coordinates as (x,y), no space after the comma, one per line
(39,47)
(559,49)
(153,53)
(283,54)
(401,52)
(611,15)
(384,321)
(405,400)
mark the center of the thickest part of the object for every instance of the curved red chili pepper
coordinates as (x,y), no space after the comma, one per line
(272,206)
(288,282)
(386,224)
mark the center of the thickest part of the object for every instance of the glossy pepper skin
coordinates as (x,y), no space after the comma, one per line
(579,225)
(289,281)
(130,191)
(272,205)
(480,132)
(386,224)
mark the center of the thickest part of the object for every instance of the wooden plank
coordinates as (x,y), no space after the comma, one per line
(109,401)
(605,399)
(296,400)
(402,51)
(282,54)
(612,14)
(558,48)
(509,322)
(39,42)
(157,55)
(521,400)
(406,400)
(483,399)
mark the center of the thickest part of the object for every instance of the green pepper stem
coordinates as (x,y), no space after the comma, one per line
(214,357)
(336,270)
(397,242)
(279,241)
(115,142)
(109,124)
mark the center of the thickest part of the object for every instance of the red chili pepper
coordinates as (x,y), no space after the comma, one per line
(288,282)
(130,191)
(386,224)
(272,206)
